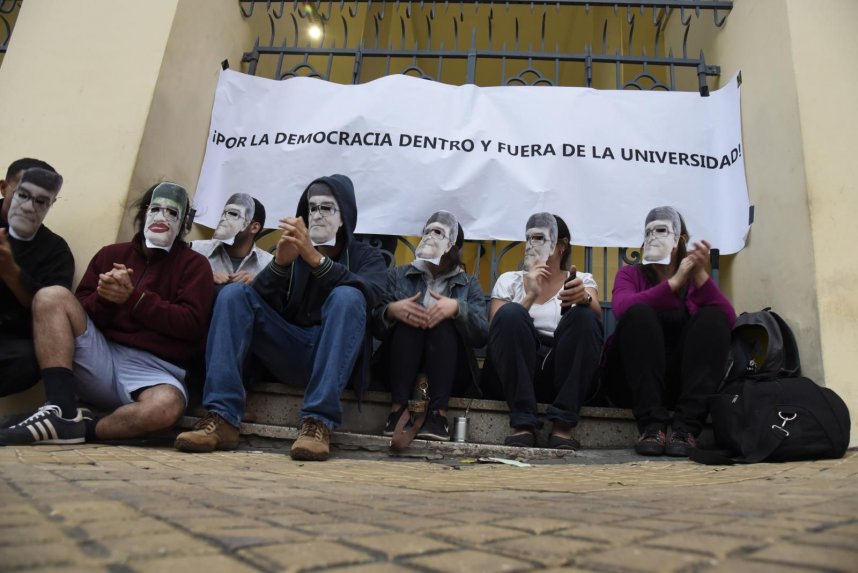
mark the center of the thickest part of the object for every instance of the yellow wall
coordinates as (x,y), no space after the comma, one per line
(824,52)
(76,93)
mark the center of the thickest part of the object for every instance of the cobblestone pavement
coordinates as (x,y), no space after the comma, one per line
(125,508)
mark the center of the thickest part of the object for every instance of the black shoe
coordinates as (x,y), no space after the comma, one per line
(46,426)
(680,444)
(392,420)
(435,428)
(525,440)
(651,442)
(561,443)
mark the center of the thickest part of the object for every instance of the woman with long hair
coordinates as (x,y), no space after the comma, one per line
(545,336)
(670,347)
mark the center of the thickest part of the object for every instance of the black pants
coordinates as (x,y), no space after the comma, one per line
(563,376)
(434,351)
(664,361)
(18,367)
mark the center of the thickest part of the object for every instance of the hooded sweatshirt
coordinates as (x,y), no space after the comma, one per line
(297,292)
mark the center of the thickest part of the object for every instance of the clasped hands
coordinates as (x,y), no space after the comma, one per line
(295,242)
(411,312)
(116,285)
(693,266)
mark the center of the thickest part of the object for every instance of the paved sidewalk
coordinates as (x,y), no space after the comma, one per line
(123,509)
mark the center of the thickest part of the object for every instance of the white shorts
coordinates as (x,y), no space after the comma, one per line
(108,373)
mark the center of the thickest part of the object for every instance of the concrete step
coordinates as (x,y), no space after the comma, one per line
(274,408)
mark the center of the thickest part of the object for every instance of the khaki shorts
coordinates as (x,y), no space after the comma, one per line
(108,374)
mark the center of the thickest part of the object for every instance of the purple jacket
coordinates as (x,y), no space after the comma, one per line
(630,288)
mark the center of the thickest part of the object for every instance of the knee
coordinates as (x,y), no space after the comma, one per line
(640,314)
(52,299)
(510,316)
(232,294)
(712,319)
(582,321)
(347,297)
(164,409)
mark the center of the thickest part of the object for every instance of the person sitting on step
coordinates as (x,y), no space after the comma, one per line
(305,318)
(545,336)
(672,338)
(434,316)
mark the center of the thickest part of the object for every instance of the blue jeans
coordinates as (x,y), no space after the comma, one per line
(320,357)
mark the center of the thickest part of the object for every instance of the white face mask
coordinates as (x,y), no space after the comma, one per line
(435,243)
(324,218)
(233,221)
(30,204)
(660,238)
(537,247)
(163,223)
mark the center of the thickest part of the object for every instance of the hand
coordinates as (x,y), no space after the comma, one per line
(409,311)
(534,281)
(573,291)
(683,273)
(8,266)
(295,233)
(116,284)
(700,254)
(286,251)
(444,308)
(221,278)
(241,277)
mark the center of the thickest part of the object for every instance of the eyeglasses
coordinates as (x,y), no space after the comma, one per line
(662,231)
(169,213)
(39,203)
(536,239)
(324,210)
(232,215)
(434,233)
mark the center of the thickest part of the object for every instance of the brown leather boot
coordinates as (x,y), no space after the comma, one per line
(211,433)
(313,443)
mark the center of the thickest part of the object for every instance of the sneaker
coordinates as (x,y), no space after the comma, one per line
(680,444)
(46,426)
(523,440)
(210,433)
(651,442)
(435,428)
(392,420)
(556,442)
(313,443)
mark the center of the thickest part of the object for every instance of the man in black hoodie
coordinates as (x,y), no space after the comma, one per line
(305,318)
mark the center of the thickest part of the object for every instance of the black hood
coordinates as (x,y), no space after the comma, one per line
(344,192)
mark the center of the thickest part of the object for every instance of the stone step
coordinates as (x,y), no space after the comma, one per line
(274,408)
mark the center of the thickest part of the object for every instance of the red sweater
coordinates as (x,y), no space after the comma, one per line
(169,310)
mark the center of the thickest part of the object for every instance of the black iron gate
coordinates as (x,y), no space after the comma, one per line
(596,43)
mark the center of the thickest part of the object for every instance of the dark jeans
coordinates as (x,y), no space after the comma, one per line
(434,351)
(18,367)
(566,373)
(668,360)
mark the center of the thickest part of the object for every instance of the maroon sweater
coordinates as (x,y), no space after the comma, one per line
(169,311)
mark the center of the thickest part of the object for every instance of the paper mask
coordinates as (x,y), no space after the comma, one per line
(236,217)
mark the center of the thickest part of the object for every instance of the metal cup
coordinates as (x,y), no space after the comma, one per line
(460,429)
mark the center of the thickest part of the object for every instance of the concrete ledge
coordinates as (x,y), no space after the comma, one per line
(278,405)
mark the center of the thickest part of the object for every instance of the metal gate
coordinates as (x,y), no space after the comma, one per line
(596,43)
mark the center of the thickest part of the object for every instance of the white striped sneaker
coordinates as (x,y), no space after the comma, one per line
(46,426)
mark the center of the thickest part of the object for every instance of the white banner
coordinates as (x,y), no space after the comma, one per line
(600,159)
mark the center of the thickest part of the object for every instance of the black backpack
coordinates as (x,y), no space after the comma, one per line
(762,348)
(777,420)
